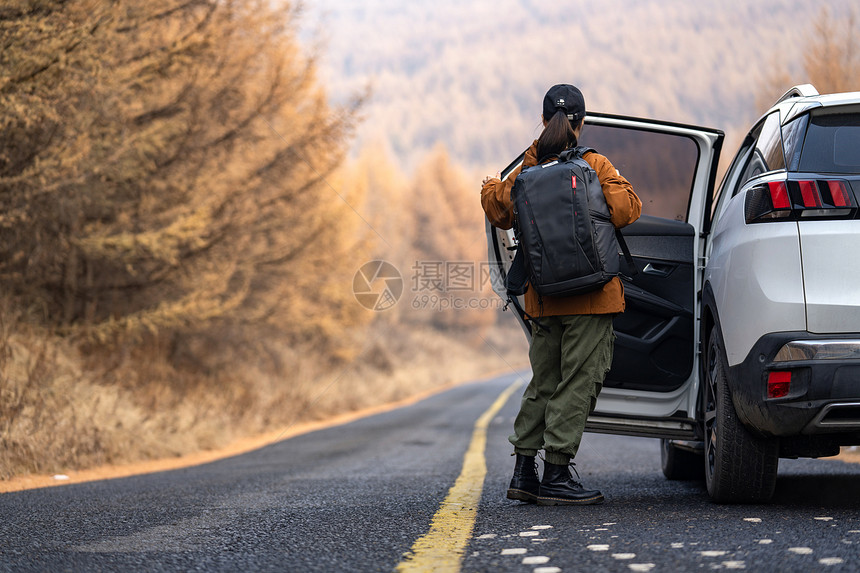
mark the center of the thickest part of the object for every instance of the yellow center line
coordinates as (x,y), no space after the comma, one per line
(441,549)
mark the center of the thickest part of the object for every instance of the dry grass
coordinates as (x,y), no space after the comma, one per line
(63,410)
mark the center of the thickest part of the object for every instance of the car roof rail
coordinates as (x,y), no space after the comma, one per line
(803,90)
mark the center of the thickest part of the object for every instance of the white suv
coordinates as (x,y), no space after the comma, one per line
(741,339)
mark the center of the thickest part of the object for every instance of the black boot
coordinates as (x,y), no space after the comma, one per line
(525,483)
(559,488)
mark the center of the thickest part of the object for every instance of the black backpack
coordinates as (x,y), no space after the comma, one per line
(567,244)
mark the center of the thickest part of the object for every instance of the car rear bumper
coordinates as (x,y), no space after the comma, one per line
(822,395)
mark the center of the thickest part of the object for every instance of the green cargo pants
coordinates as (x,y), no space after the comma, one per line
(569,361)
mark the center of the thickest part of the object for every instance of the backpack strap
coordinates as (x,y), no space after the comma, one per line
(512,299)
(516,283)
(627,256)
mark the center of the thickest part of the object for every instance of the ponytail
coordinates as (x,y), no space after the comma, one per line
(557,136)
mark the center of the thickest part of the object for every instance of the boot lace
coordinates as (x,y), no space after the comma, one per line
(571,465)
(578,480)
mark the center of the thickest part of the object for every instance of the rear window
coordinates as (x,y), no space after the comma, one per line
(832,144)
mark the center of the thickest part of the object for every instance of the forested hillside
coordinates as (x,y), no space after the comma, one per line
(471,75)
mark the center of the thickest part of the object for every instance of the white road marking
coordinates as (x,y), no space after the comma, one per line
(612,523)
(546,570)
(487,536)
(602,529)
(801,550)
(623,556)
(677,545)
(712,553)
(541,526)
(598,547)
(753,519)
(734,565)
(641,566)
(765,541)
(514,551)
(823,518)
(831,561)
(529,533)
(535,560)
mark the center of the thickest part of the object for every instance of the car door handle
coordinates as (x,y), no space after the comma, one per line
(658,270)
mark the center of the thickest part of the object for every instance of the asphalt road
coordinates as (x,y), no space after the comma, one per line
(357,497)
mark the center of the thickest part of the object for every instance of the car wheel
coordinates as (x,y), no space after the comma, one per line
(739,466)
(680,464)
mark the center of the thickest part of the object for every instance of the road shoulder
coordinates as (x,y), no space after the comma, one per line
(27,482)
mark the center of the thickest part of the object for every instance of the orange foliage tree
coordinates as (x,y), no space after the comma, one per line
(428,224)
(448,238)
(166,165)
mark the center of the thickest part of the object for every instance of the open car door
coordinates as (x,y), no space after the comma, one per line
(653,386)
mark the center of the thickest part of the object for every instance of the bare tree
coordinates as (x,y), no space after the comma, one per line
(831,60)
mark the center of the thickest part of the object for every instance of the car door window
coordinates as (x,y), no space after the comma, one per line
(660,166)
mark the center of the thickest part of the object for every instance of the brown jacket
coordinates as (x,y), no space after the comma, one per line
(624,208)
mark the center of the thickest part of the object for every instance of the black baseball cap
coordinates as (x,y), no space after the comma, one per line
(564,97)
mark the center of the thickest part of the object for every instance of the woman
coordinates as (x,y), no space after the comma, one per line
(571,356)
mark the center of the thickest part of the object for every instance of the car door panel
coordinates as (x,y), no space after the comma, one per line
(654,336)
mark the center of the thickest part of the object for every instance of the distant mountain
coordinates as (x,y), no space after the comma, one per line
(471,74)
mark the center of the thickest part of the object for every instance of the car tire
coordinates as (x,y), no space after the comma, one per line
(740,467)
(679,464)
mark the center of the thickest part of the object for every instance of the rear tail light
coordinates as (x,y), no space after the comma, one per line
(779,194)
(778,384)
(839,193)
(809,194)
(768,202)
(804,199)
